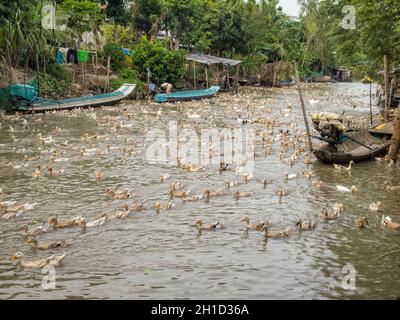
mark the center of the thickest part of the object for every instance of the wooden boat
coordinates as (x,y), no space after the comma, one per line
(186,95)
(105,99)
(366,148)
(383,129)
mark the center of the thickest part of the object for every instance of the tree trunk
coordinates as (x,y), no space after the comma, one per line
(386,77)
(395,147)
(177,43)
(154,30)
(96,38)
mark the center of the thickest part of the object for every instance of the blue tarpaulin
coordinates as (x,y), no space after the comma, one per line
(126,52)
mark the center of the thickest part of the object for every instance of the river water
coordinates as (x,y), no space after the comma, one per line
(163,256)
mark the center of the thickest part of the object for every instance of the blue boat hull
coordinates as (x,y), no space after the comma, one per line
(105,99)
(186,95)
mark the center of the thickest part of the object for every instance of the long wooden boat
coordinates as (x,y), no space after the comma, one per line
(186,95)
(383,129)
(105,99)
(351,150)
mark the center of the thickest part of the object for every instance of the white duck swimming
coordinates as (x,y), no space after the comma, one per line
(25,231)
(346,190)
(95,223)
(290,176)
(376,206)
(349,168)
(50,261)
(388,222)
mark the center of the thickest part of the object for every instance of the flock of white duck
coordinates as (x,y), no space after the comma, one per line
(51,152)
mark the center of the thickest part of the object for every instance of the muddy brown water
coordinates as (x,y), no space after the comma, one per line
(150,256)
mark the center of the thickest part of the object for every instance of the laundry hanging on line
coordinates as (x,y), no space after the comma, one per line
(64,52)
(72,56)
(83,56)
(60,57)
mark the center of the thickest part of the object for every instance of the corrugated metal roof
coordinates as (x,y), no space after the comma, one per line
(210,60)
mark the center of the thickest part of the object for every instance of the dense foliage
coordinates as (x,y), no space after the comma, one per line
(256,32)
(164,65)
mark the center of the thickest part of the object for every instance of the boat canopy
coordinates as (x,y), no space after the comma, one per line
(210,60)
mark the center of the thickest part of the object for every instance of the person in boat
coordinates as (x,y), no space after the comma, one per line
(166,87)
(330,126)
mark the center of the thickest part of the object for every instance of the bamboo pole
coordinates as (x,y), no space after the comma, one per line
(44,58)
(74,73)
(392,84)
(206,70)
(386,75)
(237,79)
(194,74)
(108,74)
(370,102)
(37,72)
(274,75)
(44,75)
(395,146)
(228,78)
(388,254)
(96,71)
(310,146)
(83,78)
(148,84)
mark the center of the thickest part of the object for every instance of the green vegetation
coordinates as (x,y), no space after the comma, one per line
(166,65)
(257,32)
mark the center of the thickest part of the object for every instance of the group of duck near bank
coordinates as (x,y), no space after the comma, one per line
(342,147)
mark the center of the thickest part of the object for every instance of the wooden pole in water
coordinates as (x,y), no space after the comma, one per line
(392,84)
(395,147)
(370,102)
(386,75)
(310,146)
